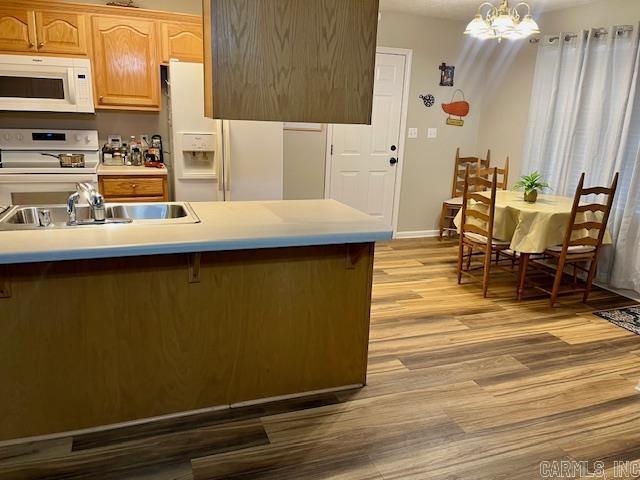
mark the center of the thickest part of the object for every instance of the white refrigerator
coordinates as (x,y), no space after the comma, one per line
(219,160)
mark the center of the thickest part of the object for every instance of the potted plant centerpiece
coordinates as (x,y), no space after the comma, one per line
(531,184)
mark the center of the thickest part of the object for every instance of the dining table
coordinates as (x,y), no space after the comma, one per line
(534,227)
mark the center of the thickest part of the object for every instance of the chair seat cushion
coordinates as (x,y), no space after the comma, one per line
(482,239)
(454,201)
(573,249)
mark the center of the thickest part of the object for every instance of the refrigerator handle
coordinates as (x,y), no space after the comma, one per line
(226,157)
(219,157)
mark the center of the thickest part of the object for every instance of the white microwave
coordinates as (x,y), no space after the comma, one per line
(45,84)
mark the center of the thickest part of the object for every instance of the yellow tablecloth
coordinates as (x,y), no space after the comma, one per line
(534,227)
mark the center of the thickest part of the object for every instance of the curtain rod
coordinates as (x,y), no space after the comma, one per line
(597,33)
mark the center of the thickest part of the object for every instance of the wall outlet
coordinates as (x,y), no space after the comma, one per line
(413,133)
(432,133)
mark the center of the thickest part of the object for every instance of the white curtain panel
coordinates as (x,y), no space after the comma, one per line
(585,117)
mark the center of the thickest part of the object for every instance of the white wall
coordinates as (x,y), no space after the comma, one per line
(506,108)
(304,164)
(106,122)
(497,80)
(428,164)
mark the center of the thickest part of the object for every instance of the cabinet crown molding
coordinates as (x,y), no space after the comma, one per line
(90,8)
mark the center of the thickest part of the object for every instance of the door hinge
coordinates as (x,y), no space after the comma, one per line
(331,149)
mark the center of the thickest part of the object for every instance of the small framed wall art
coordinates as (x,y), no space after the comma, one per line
(447,73)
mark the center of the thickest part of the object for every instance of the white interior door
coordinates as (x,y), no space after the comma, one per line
(364,159)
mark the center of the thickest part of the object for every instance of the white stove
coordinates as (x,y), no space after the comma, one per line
(29,177)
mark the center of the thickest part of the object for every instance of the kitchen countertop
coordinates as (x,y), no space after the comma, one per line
(224,226)
(134,171)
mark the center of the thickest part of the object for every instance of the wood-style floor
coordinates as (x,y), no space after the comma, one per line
(460,387)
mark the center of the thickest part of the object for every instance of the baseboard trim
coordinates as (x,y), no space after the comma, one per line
(631,295)
(294,396)
(170,416)
(417,234)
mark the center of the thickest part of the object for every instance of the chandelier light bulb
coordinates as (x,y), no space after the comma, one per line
(529,25)
(477,26)
(501,21)
(503,24)
(487,35)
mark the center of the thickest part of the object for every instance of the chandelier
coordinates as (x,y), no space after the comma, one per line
(501,22)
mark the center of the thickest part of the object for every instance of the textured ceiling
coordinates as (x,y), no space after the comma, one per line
(465,9)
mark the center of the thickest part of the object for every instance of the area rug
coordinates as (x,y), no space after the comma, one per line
(628,318)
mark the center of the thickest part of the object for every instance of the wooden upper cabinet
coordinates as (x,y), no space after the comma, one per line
(126,70)
(64,33)
(17,30)
(293,60)
(182,41)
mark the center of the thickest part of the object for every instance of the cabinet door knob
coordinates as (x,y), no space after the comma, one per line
(31,45)
(41,44)
(100,98)
(133,185)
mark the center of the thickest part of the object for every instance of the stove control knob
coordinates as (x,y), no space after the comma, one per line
(87,139)
(19,137)
(7,136)
(78,138)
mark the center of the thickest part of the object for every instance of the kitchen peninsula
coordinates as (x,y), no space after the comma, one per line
(108,324)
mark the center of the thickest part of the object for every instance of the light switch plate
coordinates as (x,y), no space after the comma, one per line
(413,133)
(432,133)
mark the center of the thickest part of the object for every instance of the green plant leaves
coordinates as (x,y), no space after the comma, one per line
(531,182)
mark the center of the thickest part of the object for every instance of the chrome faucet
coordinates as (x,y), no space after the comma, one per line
(95,200)
(72,203)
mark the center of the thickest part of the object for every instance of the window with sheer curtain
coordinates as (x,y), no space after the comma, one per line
(585,117)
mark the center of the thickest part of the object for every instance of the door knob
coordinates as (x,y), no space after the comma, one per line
(393,161)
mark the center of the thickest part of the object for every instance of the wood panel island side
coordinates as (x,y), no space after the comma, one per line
(102,326)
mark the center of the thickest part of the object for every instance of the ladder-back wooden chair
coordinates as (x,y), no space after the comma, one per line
(451,207)
(476,227)
(582,252)
(503,175)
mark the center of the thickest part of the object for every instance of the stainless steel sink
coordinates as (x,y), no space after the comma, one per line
(27,218)
(151,211)
(29,215)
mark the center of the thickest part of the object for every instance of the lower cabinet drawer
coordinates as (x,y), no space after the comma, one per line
(135,199)
(132,187)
